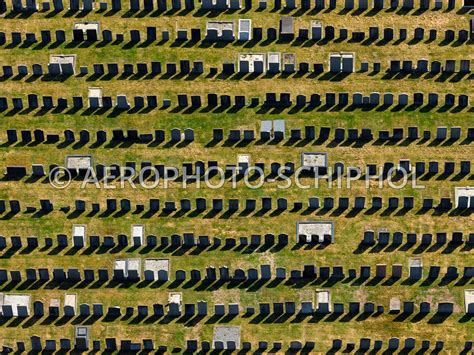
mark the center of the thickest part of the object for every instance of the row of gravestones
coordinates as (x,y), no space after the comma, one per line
(331,99)
(91,35)
(325,34)
(362,4)
(113,69)
(201,309)
(424,66)
(127,346)
(197,171)
(142,69)
(96,311)
(318,34)
(116,135)
(393,344)
(14,206)
(310,272)
(223,273)
(30,37)
(187,240)
(445,204)
(340,100)
(124,346)
(383,237)
(135,36)
(222,5)
(146,169)
(78,36)
(195,101)
(192,346)
(308,308)
(49,345)
(306,347)
(374,99)
(404,167)
(387,34)
(308,134)
(396,67)
(87,5)
(344,134)
(32,6)
(393,4)
(170,70)
(105,102)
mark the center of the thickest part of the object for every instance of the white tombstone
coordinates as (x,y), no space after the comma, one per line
(309,231)
(70,304)
(157,269)
(341,62)
(65,62)
(415,268)
(273,62)
(251,62)
(138,230)
(314,160)
(78,235)
(85,26)
(175,302)
(469,301)
(95,97)
(323,301)
(316,30)
(465,192)
(245,30)
(78,162)
(128,267)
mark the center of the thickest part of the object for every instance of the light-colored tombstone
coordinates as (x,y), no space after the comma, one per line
(245,30)
(70,304)
(138,231)
(78,235)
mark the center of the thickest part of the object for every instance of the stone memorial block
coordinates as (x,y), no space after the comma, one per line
(388,34)
(445,307)
(419,33)
(403,99)
(393,343)
(381,271)
(415,268)
(425,307)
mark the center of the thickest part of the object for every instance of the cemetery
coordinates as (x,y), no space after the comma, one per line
(236,176)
